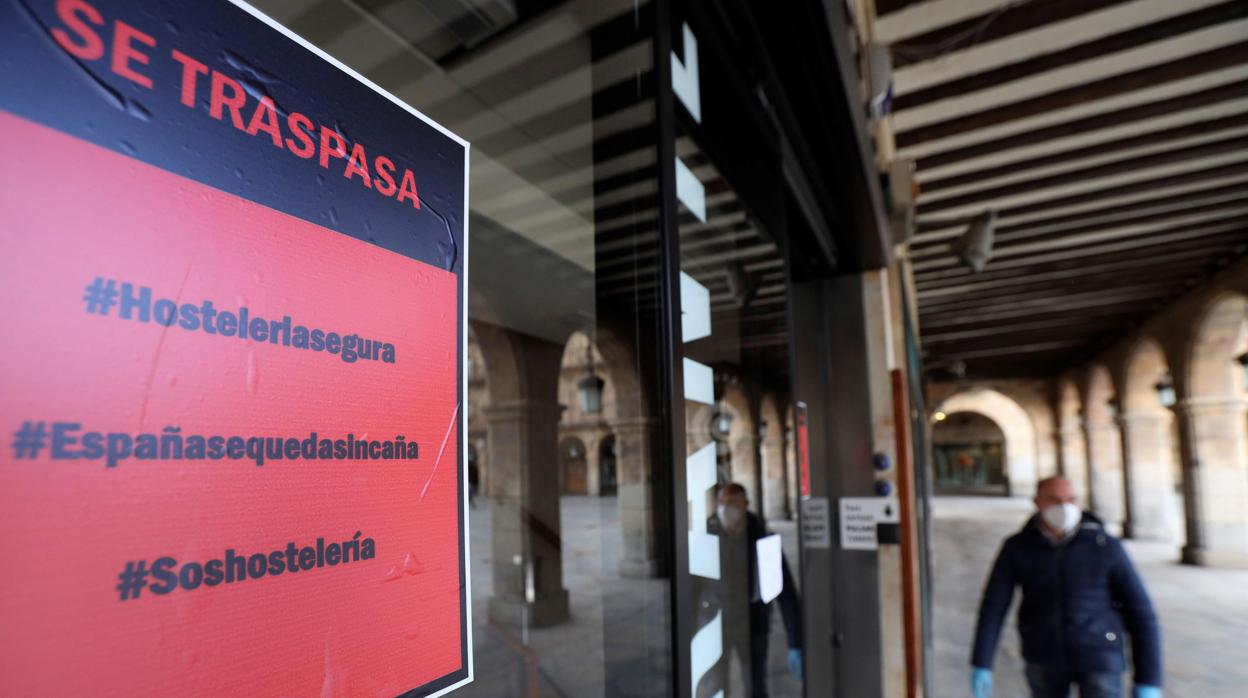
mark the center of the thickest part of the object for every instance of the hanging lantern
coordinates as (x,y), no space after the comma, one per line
(721,424)
(1165,391)
(590,388)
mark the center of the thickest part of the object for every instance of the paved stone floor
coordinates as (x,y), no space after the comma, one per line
(616,642)
(1204,612)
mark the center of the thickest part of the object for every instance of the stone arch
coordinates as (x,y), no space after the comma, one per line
(581,359)
(498,358)
(1213,426)
(737,450)
(620,363)
(1072,446)
(634,426)
(1104,445)
(582,370)
(522,414)
(969,453)
(698,426)
(1152,475)
(1220,337)
(1020,433)
(775,503)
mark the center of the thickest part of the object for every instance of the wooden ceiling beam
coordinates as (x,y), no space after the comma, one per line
(1153,203)
(1065,346)
(1006,239)
(1150,110)
(1104,46)
(884,7)
(1082,336)
(1105,281)
(1055,298)
(1104,88)
(1069,270)
(1190,130)
(1234,239)
(1163,182)
(1108,169)
(996,24)
(1233,228)
(1055,318)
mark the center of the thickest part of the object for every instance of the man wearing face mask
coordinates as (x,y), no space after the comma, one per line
(746,618)
(1081,599)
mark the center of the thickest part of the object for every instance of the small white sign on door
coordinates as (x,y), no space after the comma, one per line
(859,517)
(816,523)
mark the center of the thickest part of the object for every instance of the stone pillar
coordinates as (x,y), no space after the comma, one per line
(1214,447)
(775,478)
(636,440)
(1074,464)
(792,476)
(1146,466)
(1048,443)
(593,464)
(745,469)
(526,544)
(1105,472)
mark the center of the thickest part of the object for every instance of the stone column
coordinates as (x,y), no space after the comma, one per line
(1105,472)
(593,464)
(1074,464)
(526,543)
(745,469)
(636,440)
(1146,466)
(1214,447)
(792,474)
(775,478)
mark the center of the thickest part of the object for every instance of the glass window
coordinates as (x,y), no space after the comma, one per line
(743,571)
(568,533)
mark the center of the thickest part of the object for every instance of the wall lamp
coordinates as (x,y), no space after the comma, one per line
(1165,391)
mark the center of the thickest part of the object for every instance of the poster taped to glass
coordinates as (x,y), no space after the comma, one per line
(234,363)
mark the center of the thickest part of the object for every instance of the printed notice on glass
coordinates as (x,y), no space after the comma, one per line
(860,520)
(816,523)
(233,363)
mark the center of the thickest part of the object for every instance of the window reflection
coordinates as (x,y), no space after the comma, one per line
(566,536)
(747,425)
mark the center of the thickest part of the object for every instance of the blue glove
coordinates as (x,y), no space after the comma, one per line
(1147,692)
(795,663)
(981,683)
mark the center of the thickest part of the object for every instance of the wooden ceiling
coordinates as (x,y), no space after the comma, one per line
(1111,138)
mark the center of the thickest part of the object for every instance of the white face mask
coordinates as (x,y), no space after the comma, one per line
(728,516)
(1062,517)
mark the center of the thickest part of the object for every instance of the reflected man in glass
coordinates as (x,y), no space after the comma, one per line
(747,618)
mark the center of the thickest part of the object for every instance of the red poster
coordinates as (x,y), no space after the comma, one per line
(235,422)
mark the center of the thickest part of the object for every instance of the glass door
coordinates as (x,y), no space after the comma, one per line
(738,601)
(568,516)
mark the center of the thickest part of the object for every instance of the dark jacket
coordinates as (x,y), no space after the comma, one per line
(759,613)
(1081,598)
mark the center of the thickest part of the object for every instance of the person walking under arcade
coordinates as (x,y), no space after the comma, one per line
(1081,599)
